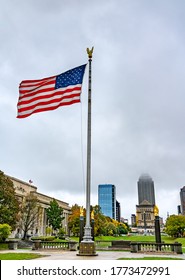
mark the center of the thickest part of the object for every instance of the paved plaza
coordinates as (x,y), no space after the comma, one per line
(101,255)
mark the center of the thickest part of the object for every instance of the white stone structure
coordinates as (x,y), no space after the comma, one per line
(22,189)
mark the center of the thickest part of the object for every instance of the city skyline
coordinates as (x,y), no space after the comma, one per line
(143,176)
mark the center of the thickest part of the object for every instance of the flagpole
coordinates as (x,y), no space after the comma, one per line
(87,232)
(87,246)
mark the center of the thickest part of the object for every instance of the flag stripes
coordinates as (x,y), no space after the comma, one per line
(43,95)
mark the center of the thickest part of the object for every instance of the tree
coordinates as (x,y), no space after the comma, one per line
(103,225)
(54,214)
(100,221)
(175,225)
(9,206)
(111,228)
(122,228)
(5,231)
(29,213)
(74,220)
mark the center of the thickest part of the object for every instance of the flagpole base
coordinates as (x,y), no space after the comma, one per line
(87,248)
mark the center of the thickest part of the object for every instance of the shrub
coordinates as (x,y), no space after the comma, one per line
(43,238)
(48,231)
(3,246)
(5,231)
(61,233)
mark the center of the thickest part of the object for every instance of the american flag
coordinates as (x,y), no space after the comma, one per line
(50,93)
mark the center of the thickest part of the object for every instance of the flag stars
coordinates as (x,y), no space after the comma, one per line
(71,77)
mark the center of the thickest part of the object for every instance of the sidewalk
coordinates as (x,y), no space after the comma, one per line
(102,255)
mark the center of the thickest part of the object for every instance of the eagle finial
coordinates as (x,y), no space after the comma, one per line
(89,52)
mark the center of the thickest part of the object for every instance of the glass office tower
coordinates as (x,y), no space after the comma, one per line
(107,200)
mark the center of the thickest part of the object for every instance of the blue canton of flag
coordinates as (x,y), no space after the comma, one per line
(70,77)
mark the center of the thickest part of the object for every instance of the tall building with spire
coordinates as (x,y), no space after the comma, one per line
(146,208)
(146,189)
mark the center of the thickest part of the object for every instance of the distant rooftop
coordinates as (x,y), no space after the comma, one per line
(145,177)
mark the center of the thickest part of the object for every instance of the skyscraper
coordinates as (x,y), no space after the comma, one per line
(146,189)
(107,200)
(182,198)
(145,215)
(118,211)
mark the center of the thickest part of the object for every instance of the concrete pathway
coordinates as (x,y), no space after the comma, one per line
(102,255)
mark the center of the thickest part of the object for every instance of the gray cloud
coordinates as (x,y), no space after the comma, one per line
(138,97)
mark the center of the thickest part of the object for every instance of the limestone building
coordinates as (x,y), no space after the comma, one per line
(22,189)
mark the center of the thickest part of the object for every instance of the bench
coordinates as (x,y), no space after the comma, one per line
(120,244)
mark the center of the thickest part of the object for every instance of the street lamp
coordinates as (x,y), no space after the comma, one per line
(81,224)
(157,225)
(144,218)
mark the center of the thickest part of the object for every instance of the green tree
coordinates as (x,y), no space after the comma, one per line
(9,206)
(122,229)
(29,213)
(100,221)
(55,215)
(5,231)
(111,228)
(175,226)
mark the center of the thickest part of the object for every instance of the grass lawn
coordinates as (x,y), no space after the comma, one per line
(136,238)
(19,256)
(140,238)
(151,258)
(104,243)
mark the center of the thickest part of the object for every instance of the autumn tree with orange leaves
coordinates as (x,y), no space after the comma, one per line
(103,225)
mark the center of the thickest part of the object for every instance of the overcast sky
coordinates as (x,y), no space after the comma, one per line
(138,97)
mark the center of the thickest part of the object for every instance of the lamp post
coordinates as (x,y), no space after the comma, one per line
(81,224)
(144,218)
(92,224)
(157,226)
(65,229)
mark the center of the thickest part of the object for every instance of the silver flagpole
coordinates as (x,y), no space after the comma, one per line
(87,232)
(87,246)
